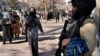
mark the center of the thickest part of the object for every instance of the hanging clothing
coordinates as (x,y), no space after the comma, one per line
(57,17)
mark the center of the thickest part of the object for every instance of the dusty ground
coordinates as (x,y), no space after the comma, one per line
(47,43)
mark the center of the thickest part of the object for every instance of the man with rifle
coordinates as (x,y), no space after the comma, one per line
(81,36)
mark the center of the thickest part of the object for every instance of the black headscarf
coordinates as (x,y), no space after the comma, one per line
(33,14)
(32,17)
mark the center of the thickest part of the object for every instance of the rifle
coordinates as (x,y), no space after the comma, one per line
(61,38)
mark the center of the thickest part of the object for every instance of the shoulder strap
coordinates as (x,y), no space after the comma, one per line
(76,30)
(65,25)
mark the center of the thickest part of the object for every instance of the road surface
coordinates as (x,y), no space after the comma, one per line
(47,43)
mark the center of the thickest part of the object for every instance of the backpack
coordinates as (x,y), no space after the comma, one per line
(76,46)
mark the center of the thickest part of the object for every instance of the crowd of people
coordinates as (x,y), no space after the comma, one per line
(78,37)
(12,23)
(57,15)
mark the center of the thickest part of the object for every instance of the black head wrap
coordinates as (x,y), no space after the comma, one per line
(33,14)
(84,9)
(32,17)
(84,6)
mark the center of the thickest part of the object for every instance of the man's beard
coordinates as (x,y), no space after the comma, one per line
(76,15)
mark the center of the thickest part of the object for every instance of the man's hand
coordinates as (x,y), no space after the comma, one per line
(65,42)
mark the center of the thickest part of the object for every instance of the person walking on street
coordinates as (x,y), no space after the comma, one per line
(23,21)
(33,24)
(16,24)
(57,16)
(6,25)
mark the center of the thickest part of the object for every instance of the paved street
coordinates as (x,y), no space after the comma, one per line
(47,43)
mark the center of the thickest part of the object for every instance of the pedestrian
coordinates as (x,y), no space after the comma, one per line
(23,21)
(16,24)
(49,15)
(57,16)
(6,25)
(33,24)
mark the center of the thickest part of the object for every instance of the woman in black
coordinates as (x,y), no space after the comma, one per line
(33,24)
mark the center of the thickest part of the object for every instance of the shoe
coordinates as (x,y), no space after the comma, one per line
(4,43)
(10,42)
(26,40)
